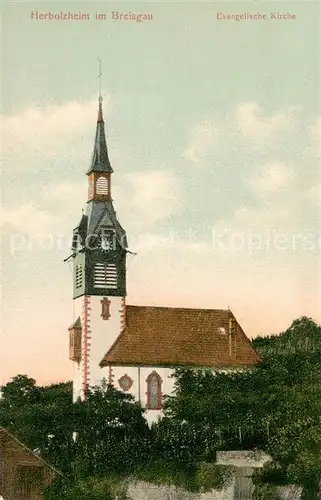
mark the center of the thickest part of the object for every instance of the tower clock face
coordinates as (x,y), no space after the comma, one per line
(107,241)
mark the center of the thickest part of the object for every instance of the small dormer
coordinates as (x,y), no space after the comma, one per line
(75,331)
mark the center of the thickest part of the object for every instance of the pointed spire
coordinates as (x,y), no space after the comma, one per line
(100,161)
(100,110)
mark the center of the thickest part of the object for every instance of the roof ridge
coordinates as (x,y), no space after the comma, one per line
(178,308)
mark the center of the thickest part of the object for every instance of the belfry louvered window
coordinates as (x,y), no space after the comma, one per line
(78,276)
(105,275)
(102,185)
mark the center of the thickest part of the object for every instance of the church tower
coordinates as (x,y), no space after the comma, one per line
(99,272)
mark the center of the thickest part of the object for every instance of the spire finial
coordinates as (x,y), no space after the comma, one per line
(100,99)
(99,75)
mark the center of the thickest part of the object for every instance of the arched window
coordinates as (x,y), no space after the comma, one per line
(154,391)
(102,185)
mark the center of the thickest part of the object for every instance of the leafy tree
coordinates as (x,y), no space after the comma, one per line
(41,417)
(275,407)
(112,433)
(69,488)
(21,390)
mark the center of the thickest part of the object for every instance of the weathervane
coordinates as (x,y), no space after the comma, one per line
(99,75)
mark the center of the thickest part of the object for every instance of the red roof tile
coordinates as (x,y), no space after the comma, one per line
(158,336)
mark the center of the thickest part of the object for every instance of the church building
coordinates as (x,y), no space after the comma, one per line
(134,348)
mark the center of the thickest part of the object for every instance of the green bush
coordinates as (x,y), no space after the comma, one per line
(210,476)
(265,492)
(94,488)
(168,472)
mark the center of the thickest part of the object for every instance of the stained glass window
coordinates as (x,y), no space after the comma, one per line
(154,391)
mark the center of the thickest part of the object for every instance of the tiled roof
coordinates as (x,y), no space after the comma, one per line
(76,324)
(102,213)
(156,336)
(5,432)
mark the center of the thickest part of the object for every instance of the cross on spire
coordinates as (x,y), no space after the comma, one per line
(100,99)
(99,75)
(100,161)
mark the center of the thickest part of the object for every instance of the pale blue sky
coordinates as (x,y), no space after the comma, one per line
(212,126)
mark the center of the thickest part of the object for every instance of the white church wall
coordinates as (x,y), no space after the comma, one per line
(98,335)
(78,367)
(77,381)
(104,332)
(139,387)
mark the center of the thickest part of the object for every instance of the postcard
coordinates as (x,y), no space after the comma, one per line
(161,195)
